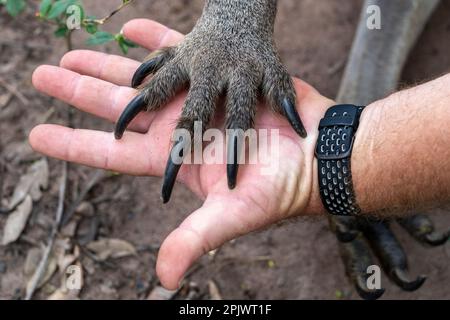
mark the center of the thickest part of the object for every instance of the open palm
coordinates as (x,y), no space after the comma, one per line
(99,84)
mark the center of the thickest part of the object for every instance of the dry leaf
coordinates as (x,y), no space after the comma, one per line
(48,289)
(65,260)
(4,99)
(160,293)
(65,254)
(85,209)
(89,265)
(108,289)
(18,151)
(111,248)
(17,221)
(70,229)
(31,263)
(27,190)
(214,292)
(31,183)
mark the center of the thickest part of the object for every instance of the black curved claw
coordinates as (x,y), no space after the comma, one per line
(173,166)
(436,239)
(344,228)
(294,119)
(422,229)
(347,236)
(365,293)
(143,71)
(400,277)
(131,111)
(390,253)
(357,258)
(232,163)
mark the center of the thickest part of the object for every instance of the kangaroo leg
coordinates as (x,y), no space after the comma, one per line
(377,57)
(374,67)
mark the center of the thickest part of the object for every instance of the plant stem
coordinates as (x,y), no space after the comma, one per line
(42,266)
(69,41)
(103,20)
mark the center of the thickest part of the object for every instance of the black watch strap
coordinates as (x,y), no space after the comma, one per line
(333,151)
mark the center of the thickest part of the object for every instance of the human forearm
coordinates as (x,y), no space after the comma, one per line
(401,155)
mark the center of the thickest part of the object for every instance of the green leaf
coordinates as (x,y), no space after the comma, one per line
(89,25)
(130,43)
(14,7)
(100,37)
(122,41)
(59,7)
(62,31)
(44,8)
(91,28)
(124,47)
(124,44)
(120,38)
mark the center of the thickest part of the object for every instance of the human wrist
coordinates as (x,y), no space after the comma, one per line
(362,136)
(314,205)
(401,150)
(361,159)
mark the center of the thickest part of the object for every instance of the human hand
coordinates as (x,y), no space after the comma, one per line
(98,83)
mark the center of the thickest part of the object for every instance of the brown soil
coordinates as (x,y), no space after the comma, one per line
(314,38)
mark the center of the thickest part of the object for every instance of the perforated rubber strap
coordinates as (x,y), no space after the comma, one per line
(333,151)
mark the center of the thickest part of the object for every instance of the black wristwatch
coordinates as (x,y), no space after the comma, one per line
(333,152)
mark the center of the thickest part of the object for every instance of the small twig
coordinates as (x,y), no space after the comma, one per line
(336,67)
(69,44)
(40,270)
(31,241)
(2,175)
(107,197)
(94,258)
(98,176)
(46,115)
(14,91)
(193,270)
(92,232)
(109,16)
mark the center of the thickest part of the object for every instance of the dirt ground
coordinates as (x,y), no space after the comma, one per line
(297,260)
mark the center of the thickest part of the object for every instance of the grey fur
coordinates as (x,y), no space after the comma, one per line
(230,51)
